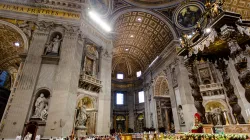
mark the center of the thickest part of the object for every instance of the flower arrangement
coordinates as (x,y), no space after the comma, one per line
(197,126)
(192,136)
(201,136)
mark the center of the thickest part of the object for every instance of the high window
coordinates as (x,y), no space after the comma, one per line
(119,98)
(141,96)
(138,73)
(119,76)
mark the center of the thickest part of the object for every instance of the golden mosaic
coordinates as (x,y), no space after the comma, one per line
(10,51)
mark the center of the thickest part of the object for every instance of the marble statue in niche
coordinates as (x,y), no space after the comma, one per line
(181,115)
(53,47)
(82,117)
(41,107)
(217,116)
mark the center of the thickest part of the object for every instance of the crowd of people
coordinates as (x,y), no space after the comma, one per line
(94,137)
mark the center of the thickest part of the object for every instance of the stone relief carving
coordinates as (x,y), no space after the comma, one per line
(44,26)
(41,107)
(27,28)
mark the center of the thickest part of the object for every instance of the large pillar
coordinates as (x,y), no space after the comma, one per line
(185,92)
(173,98)
(16,113)
(103,119)
(63,101)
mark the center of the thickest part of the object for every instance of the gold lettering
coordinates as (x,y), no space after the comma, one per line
(15,8)
(35,10)
(69,15)
(21,9)
(42,11)
(47,12)
(8,7)
(78,16)
(28,10)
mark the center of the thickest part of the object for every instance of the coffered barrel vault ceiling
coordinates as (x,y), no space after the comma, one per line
(140,38)
(9,52)
(239,6)
(153,3)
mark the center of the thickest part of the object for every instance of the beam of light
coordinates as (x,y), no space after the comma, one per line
(94,16)
(153,61)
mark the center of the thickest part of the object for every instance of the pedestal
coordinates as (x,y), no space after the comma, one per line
(218,129)
(208,128)
(81,131)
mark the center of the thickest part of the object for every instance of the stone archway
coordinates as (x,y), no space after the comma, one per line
(217,112)
(163,103)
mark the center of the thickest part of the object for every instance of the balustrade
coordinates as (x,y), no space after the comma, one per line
(89,82)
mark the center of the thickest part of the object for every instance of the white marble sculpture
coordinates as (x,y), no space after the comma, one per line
(81,117)
(54,45)
(41,107)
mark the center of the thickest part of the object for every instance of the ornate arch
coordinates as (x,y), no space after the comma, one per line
(92,101)
(24,37)
(161,87)
(9,59)
(216,103)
